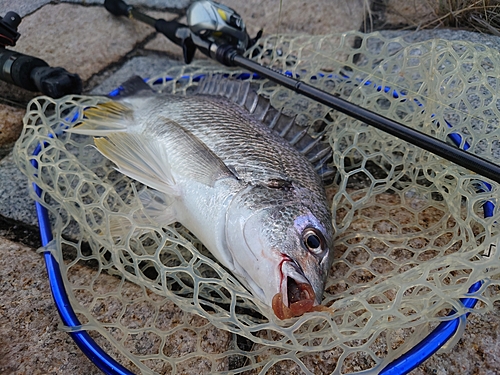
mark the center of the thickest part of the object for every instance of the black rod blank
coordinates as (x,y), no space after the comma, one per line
(436,146)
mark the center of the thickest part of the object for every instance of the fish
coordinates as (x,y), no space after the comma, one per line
(221,165)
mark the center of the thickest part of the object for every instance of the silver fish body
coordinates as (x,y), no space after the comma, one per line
(255,202)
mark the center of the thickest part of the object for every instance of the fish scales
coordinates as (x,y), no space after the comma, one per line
(253,152)
(238,138)
(251,198)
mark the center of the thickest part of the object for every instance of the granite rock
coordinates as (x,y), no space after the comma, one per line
(409,13)
(411,36)
(11,124)
(82,39)
(21,7)
(15,201)
(143,66)
(295,16)
(30,340)
(159,4)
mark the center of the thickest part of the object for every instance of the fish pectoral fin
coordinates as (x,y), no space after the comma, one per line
(158,207)
(141,158)
(103,119)
(193,157)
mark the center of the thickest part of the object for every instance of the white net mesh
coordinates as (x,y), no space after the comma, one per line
(412,236)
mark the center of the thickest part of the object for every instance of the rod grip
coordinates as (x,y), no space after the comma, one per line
(16,68)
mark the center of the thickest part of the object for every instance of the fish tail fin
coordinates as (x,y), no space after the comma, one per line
(103,119)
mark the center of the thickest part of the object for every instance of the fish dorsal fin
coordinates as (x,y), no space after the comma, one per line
(133,86)
(314,148)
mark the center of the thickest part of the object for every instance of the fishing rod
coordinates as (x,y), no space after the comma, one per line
(29,72)
(220,33)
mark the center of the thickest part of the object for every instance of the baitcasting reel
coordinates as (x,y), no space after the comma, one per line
(212,28)
(218,23)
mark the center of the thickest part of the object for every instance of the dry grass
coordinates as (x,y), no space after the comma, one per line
(477,15)
(474,15)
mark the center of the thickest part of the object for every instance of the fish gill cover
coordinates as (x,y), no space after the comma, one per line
(411,236)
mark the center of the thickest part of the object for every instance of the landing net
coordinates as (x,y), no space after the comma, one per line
(411,232)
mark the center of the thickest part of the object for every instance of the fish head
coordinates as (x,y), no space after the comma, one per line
(285,253)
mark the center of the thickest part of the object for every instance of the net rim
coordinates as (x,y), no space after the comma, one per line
(416,355)
(81,337)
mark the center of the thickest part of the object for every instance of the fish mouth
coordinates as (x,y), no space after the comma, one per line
(296,295)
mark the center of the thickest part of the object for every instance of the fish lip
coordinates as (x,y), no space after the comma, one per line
(289,268)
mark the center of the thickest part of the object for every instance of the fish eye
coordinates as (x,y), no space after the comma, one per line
(313,240)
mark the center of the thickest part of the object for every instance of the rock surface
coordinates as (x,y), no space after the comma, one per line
(10,127)
(143,66)
(21,7)
(295,16)
(15,202)
(30,341)
(72,36)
